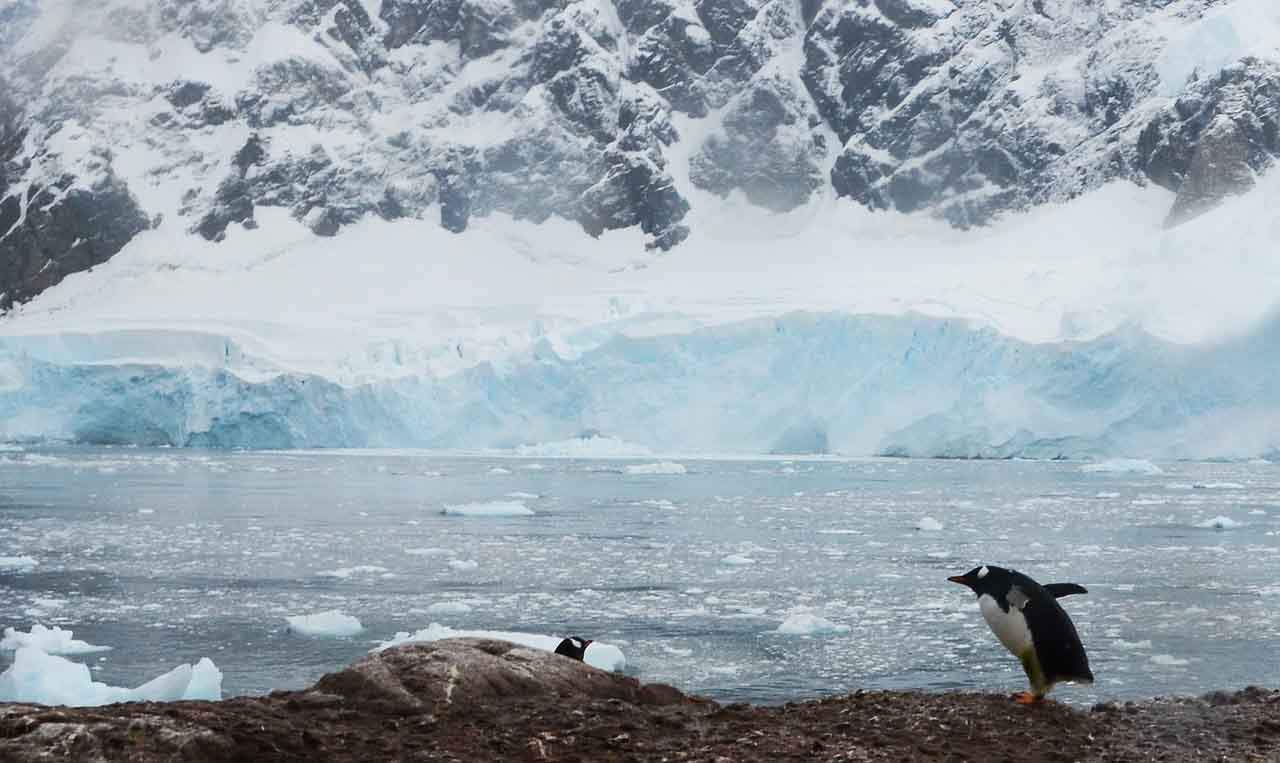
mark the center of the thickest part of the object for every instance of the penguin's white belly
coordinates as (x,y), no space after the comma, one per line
(1010,627)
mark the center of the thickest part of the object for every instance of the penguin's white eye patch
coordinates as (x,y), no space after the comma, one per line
(982,572)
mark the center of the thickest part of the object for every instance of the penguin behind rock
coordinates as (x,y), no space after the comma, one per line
(575,647)
(1028,620)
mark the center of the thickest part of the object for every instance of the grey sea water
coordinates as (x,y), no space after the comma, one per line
(170,555)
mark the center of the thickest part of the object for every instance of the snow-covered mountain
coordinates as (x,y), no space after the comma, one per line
(449,222)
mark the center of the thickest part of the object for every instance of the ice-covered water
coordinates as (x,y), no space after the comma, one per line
(169,556)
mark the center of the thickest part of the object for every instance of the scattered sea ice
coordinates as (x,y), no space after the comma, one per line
(928,524)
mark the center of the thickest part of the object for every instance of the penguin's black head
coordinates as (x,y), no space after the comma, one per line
(984,579)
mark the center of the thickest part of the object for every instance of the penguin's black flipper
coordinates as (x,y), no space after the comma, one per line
(1064,589)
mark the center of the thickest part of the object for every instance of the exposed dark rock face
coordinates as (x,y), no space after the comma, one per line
(62,229)
(469,699)
(457,110)
(1211,141)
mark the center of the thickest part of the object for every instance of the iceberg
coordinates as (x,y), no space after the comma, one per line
(599,655)
(329,624)
(1123,466)
(489,509)
(53,640)
(809,624)
(48,679)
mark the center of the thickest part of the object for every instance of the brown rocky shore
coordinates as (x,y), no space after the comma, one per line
(469,699)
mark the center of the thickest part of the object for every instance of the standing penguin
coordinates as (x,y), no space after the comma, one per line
(1028,620)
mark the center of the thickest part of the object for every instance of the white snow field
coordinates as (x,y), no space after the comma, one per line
(328,624)
(828,329)
(598,655)
(53,640)
(47,679)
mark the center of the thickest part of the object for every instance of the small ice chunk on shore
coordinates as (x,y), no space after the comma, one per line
(48,640)
(47,679)
(599,655)
(928,525)
(1123,466)
(1219,523)
(809,624)
(489,509)
(19,563)
(328,624)
(661,467)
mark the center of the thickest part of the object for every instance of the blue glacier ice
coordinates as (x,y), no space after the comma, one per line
(805,382)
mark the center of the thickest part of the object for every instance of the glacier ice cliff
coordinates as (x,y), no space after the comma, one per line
(856,384)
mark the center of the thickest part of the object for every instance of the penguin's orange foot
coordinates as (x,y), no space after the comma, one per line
(1027,698)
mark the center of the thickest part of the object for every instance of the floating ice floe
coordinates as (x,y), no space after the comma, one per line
(48,640)
(809,624)
(489,509)
(739,560)
(599,655)
(1220,523)
(328,624)
(499,470)
(1168,660)
(448,608)
(19,563)
(661,467)
(928,524)
(429,551)
(47,679)
(1123,466)
(584,447)
(464,564)
(344,573)
(1217,486)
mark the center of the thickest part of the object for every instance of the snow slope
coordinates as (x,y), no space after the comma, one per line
(1079,329)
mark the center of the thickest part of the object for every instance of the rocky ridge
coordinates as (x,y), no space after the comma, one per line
(124,116)
(468,699)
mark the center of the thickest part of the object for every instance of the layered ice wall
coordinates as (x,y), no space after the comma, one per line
(903,385)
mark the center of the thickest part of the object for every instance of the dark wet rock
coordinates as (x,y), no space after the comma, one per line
(463,699)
